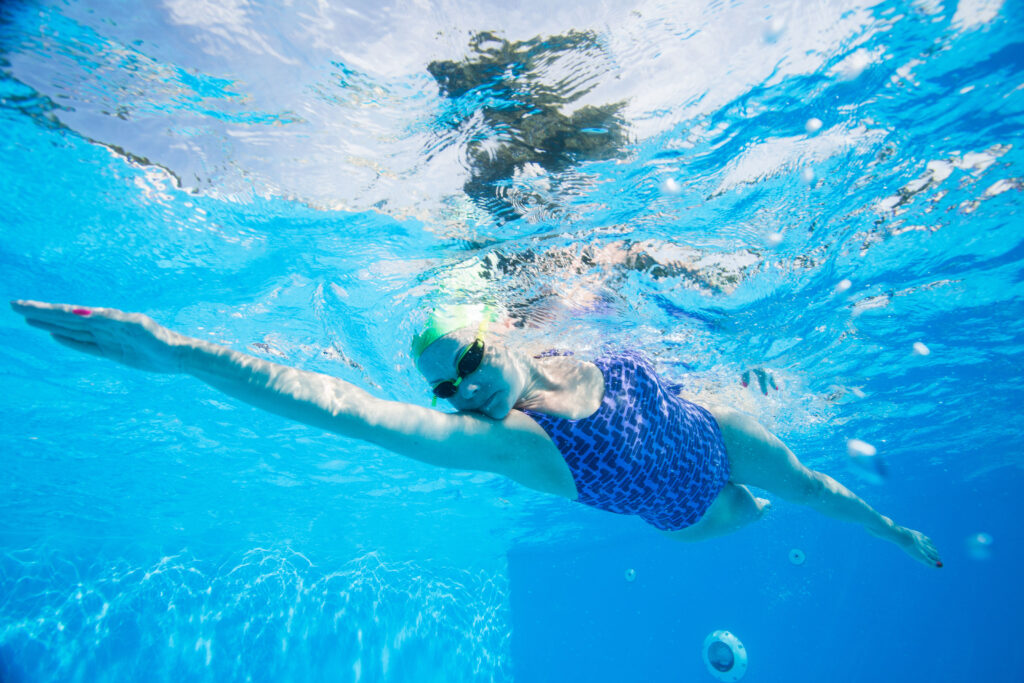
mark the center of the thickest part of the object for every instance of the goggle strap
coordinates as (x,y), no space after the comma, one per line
(458,380)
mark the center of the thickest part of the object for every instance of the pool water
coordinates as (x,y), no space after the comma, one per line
(828,191)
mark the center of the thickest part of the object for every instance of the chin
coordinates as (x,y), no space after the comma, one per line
(499,411)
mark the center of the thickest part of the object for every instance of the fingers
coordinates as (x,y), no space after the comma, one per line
(84,347)
(67,324)
(25,306)
(64,331)
(762,380)
(67,316)
(59,314)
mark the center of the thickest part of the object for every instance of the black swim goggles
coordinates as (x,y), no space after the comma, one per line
(468,362)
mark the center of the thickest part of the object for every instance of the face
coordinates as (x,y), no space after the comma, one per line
(492,389)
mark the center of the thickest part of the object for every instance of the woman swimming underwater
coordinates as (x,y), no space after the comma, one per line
(609,433)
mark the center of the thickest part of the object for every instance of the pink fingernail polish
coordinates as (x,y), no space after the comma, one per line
(81,311)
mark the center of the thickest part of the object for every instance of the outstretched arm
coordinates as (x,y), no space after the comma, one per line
(460,441)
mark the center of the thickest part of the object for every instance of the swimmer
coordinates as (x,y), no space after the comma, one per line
(609,433)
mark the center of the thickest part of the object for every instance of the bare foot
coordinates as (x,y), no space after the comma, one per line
(921,548)
(916,544)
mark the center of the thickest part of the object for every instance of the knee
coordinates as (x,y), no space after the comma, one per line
(808,489)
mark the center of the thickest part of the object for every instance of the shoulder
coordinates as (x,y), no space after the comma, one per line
(523,451)
(516,447)
(515,437)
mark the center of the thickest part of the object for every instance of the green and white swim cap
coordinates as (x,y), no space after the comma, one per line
(447,318)
(459,300)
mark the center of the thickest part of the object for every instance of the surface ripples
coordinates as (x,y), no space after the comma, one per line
(299,181)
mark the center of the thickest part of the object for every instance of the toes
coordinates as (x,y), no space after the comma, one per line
(927,549)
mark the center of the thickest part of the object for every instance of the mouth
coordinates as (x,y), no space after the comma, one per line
(489,406)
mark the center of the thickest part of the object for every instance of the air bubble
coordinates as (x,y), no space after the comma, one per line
(920,349)
(865,461)
(774,29)
(812,126)
(857,447)
(774,239)
(807,175)
(979,546)
(670,186)
(853,66)
(843,285)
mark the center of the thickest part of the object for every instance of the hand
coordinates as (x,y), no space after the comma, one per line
(764,380)
(130,338)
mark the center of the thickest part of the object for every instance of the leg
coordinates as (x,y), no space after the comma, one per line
(734,507)
(758,458)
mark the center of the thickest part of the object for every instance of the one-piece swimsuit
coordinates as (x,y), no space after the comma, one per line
(645,451)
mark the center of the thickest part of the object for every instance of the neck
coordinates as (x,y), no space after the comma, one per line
(562,386)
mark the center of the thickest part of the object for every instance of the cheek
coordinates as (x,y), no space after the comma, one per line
(502,378)
(513,379)
(480,386)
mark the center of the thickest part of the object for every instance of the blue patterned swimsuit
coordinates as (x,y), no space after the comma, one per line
(646,451)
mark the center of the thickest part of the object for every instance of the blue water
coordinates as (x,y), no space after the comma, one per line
(295,182)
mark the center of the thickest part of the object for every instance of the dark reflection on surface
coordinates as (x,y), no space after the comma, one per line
(22,100)
(715,273)
(548,284)
(521,91)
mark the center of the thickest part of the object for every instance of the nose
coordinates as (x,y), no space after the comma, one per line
(468,388)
